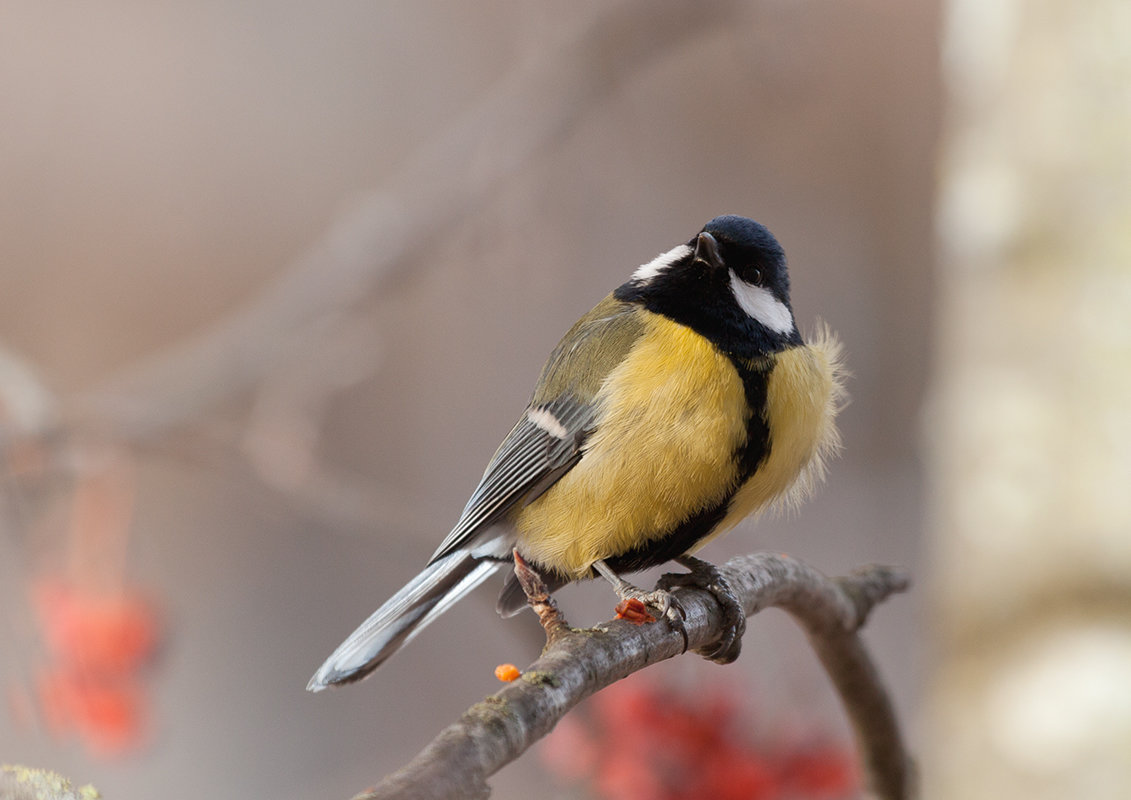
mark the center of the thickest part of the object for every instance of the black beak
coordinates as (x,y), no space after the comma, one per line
(707,250)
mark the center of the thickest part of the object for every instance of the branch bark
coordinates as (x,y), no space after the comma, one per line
(26,783)
(577,663)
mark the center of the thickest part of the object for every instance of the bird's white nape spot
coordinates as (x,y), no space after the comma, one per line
(541,418)
(760,304)
(646,272)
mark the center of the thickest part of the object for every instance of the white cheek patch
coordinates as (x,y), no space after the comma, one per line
(761,305)
(548,422)
(647,272)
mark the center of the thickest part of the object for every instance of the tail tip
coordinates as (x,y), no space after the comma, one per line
(327,677)
(333,674)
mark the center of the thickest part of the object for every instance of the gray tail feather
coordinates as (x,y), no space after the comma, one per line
(404,615)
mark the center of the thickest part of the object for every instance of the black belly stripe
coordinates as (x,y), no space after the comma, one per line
(676,543)
(755,375)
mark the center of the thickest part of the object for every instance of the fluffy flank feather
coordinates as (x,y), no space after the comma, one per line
(804,393)
(829,354)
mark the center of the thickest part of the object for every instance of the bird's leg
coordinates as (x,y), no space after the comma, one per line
(705,575)
(540,599)
(661,599)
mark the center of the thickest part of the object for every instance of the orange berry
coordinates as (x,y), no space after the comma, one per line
(507,672)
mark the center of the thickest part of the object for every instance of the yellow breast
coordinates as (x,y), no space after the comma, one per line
(671,416)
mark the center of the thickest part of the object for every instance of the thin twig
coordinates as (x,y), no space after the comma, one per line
(538,597)
(578,663)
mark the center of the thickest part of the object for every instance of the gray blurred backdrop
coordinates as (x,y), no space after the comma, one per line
(300,263)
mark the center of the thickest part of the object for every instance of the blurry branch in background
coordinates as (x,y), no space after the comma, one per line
(308,335)
(444,182)
(82,634)
(27,408)
(577,663)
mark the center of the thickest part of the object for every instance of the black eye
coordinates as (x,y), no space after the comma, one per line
(754,275)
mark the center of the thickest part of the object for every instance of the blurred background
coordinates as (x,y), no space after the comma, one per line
(275,279)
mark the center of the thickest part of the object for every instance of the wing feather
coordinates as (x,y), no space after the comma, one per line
(537,452)
(525,458)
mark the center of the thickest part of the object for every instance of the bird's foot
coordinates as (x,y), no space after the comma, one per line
(705,575)
(633,598)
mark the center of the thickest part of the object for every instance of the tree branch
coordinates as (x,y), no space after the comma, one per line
(25,783)
(578,663)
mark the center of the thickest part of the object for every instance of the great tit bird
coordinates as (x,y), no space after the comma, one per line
(683,402)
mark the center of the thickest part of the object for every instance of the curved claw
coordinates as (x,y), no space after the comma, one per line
(705,575)
(675,616)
